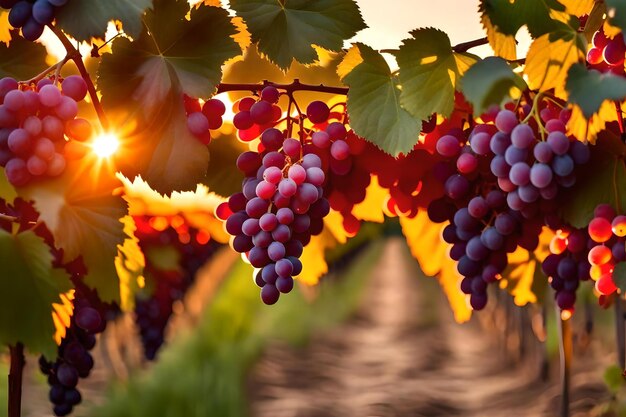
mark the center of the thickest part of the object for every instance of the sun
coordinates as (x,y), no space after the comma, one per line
(105,145)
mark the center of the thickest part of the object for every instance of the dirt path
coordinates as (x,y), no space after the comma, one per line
(403,355)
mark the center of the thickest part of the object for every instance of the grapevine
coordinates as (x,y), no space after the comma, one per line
(190,127)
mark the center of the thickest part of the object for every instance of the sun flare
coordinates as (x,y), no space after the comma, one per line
(105,145)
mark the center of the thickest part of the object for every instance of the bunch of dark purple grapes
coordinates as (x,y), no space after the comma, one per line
(31,15)
(74,360)
(152,312)
(500,184)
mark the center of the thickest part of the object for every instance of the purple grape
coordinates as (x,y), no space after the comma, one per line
(478,207)
(340,150)
(311,160)
(514,155)
(522,136)
(43,12)
(505,224)
(269,294)
(276,251)
(197,123)
(284,284)
(457,186)
(499,143)
(506,121)
(292,147)
(284,268)
(321,139)
(558,142)
(563,165)
(317,112)
(285,216)
(520,173)
(88,319)
(540,175)
(448,146)
(261,112)
(20,13)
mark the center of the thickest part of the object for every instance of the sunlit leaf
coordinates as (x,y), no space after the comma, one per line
(430,72)
(371,209)
(29,286)
(21,59)
(314,264)
(84,216)
(549,60)
(87,19)
(490,81)
(587,130)
(578,7)
(427,246)
(503,45)
(304,23)
(129,264)
(5,27)
(374,104)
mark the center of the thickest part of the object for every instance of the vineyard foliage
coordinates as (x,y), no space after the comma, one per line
(150,66)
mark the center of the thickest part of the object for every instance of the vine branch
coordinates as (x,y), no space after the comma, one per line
(15,380)
(296,85)
(74,55)
(465,46)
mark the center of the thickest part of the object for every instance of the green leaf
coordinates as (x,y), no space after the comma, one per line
(589,88)
(143,81)
(490,82)
(374,102)
(171,54)
(288,29)
(509,16)
(613,377)
(84,216)
(429,73)
(29,286)
(86,19)
(603,181)
(619,276)
(22,59)
(616,10)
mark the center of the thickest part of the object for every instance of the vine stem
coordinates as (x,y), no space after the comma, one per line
(620,333)
(566,353)
(459,48)
(15,380)
(74,55)
(8,218)
(296,85)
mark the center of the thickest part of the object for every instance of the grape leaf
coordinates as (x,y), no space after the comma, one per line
(171,54)
(21,59)
(5,27)
(7,191)
(503,45)
(129,265)
(313,261)
(587,129)
(86,19)
(490,82)
(589,88)
(427,246)
(616,10)
(619,276)
(142,84)
(371,209)
(550,58)
(29,286)
(509,16)
(84,216)
(605,182)
(430,73)
(374,102)
(578,7)
(287,30)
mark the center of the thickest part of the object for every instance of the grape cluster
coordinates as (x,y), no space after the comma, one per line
(499,185)
(202,118)
(343,156)
(281,207)
(608,233)
(74,360)
(31,15)
(39,130)
(567,264)
(531,171)
(153,311)
(607,55)
(254,116)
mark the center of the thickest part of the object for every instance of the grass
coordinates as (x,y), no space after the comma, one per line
(204,373)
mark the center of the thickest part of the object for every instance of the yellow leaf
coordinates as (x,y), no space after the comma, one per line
(129,264)
(503,46)
(350,61)
(198,207)
(334,224)
(313,262)
(578,7)
(242,37)
(587,130)
(547,63)
(5,27)
(371,209)
(61,315)
(430,250)
(611,31)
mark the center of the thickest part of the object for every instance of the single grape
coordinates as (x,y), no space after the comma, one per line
(317,112)
(506,121)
